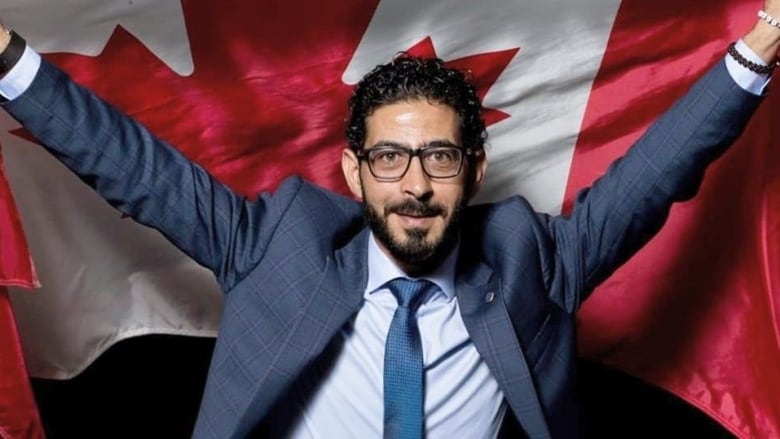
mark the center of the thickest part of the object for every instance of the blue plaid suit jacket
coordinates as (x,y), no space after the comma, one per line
(293,263)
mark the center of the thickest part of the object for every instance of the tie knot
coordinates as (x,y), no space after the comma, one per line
(408,292)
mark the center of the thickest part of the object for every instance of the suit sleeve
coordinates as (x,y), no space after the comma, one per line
(143,176)
(625,207)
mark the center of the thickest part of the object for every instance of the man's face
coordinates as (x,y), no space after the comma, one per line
(415,219)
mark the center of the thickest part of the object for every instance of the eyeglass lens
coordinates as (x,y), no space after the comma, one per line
(393,162)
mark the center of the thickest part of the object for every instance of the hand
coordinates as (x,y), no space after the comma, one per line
(4,38)
(764,38)
(772,7)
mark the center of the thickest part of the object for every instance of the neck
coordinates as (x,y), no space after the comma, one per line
(424,266)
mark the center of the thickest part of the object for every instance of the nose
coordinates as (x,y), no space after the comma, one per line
(416,183)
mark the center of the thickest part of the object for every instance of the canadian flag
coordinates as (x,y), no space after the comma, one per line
(19,418)
(256,91)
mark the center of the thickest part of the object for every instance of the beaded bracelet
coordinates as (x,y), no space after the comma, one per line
(10,56)
(769,19)
(761,69)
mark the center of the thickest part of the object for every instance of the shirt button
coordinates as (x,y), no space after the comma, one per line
(489,297)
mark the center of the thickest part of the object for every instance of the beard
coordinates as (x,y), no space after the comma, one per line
(417,255)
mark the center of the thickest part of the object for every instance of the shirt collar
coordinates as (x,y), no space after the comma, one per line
(382,269)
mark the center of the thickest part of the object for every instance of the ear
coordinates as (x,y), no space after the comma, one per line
(480,168)
(350,166)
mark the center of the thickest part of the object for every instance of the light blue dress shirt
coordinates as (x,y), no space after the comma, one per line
(462,399)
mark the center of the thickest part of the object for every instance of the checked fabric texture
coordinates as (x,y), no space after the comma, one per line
(403,375)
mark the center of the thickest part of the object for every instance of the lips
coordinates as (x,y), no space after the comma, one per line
(415,215)
(415,209)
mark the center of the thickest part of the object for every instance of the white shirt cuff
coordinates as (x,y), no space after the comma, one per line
(16,81)
(747,79)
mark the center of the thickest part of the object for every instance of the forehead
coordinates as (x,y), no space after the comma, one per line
(412,123)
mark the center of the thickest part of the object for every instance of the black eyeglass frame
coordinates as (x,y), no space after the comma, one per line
(363,155)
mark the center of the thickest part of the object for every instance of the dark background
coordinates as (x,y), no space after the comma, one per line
(150,387)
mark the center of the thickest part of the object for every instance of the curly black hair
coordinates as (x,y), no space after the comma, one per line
(407,77)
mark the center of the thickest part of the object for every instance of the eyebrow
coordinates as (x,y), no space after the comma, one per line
(431,144)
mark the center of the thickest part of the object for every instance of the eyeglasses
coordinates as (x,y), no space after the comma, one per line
(390,163)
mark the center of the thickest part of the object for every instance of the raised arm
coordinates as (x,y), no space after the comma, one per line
(132,169)
(624,208)
(764,37)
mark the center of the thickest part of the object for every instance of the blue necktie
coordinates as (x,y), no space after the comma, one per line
(403,380)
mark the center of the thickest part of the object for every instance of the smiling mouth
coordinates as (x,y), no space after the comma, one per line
(415,209)
(415,215)
(416,221)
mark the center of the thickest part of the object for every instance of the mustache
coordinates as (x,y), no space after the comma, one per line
(415,208)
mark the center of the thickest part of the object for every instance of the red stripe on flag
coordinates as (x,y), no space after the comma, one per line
(18,413)
(16,266)
(693,312)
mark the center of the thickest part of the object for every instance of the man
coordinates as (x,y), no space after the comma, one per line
(323,333)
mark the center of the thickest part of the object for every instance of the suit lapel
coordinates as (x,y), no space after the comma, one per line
(487,321)
(338,297)
(327,309)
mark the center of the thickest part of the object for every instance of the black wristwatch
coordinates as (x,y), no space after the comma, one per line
(12,53)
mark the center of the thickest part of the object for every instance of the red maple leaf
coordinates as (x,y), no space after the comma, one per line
(266,98)
(484,69)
